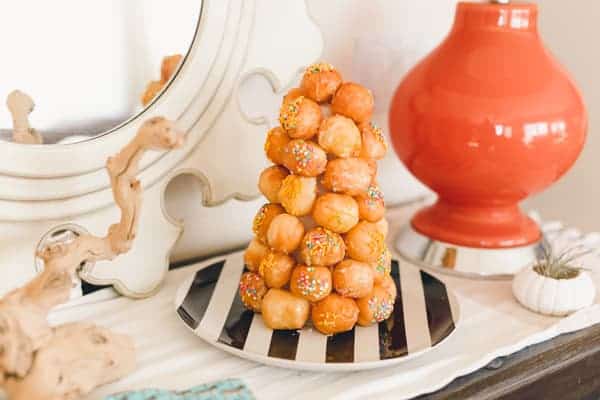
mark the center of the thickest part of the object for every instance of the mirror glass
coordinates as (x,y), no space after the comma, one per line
(87,66)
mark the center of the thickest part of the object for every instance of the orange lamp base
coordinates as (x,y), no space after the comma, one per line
(486,120)
(477,227)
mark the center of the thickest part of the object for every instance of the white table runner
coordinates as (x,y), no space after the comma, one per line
(169,356)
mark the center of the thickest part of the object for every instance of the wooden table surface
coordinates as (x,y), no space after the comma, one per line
(567,367)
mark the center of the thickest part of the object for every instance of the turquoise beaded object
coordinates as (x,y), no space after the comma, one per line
(230,389)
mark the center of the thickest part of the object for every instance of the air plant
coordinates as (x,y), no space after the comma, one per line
(555,284)
(560,265)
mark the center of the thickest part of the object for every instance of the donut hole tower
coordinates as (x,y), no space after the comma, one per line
(319,249)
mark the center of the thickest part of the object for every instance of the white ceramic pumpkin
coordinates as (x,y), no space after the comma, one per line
(551,296)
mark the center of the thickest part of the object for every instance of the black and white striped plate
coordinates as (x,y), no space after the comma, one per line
(425,314)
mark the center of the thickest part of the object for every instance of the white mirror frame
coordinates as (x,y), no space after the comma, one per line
(42,187)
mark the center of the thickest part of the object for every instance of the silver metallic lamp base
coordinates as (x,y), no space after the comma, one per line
(466,262)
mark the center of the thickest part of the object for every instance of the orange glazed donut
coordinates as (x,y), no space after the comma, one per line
(263,219)
(383,227)
(311,283)
(254,254)
(336,212)
(270,181)
(321,247)
(283,310)
(275,144)
(298,194)
(276,269)
(252,290)
(285,233)
(376,307)
(300,118)
(353,279)
(334,314)
(320,81)
(373,141)
(292,95)
(353,101)
(371,204)
(365,242)
(388,284)
(351,176)
(304,158)
(382,266)
(339,136)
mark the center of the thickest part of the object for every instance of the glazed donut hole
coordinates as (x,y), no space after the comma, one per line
(376,307)
(297,194)
(322,247)
(390,286)
(281,310)
(365,242)
(292,95)
(337,212)
(382,266)
(263,219)
(320,81)
(373,142)
(353,101)
(383,226)
(339,136)
(270,180)
(311,283)
(371,204)
(351,176)
(300,117)
(254,254)
(334,314)
(276,269)
(252,290)
(304,158)
(353,279)
(285,233)
(275,144)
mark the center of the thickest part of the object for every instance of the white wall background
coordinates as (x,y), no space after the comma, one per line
(571,31)
(375,43)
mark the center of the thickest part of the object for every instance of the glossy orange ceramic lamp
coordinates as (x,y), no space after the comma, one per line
(486,120)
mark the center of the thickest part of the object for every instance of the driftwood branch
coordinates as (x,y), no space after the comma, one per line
(167,68)
(20,106)
(78,358)
(38,362)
